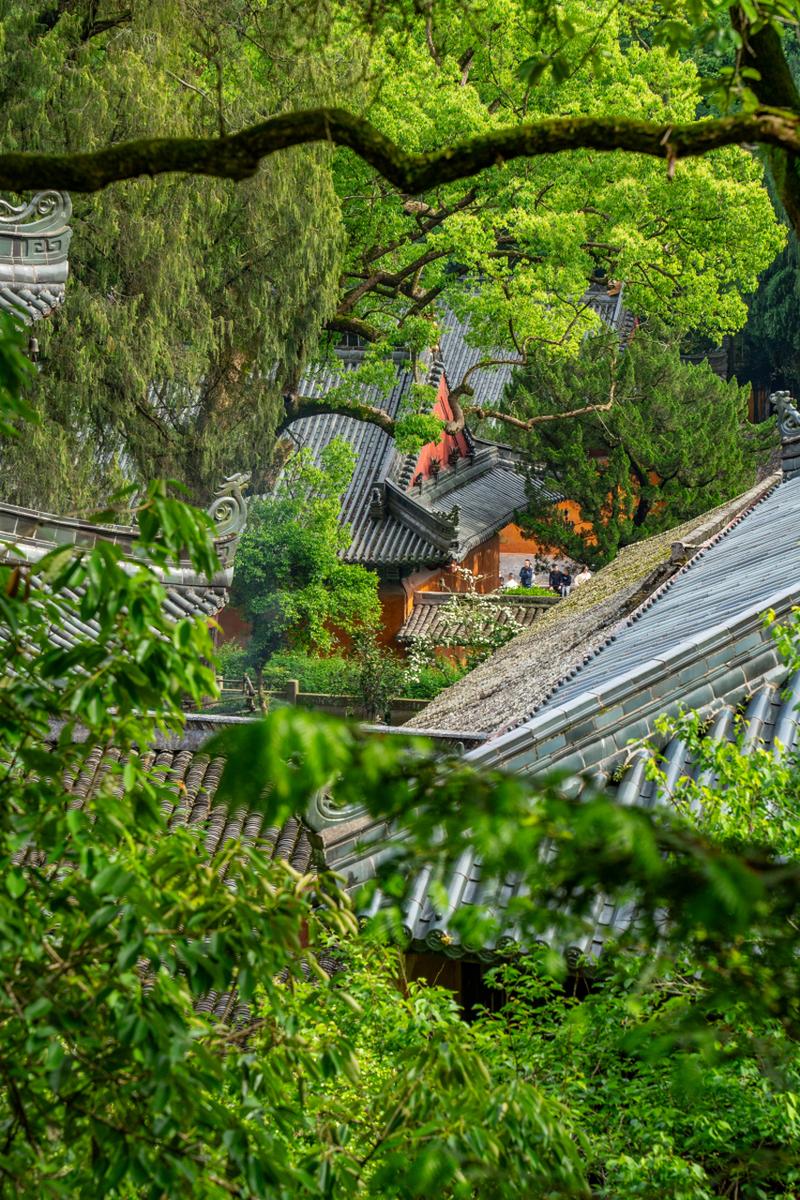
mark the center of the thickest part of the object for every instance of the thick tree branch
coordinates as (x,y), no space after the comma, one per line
(362,329)
(237,156)
(774,85)
(392,279)
(482,414)
(295,407)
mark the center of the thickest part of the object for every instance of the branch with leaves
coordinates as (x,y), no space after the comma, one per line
(238,156)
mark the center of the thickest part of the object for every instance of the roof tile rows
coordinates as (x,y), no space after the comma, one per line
(521,676)
(771,717)
(34,241)
(425,620)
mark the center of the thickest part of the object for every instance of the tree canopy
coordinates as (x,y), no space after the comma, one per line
(413,163)
(189,302)
(289,579)
(666,441)
(118,915)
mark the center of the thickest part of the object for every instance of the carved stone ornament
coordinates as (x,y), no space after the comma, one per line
(377,504)
(34,241)
(228,509)
(788,415)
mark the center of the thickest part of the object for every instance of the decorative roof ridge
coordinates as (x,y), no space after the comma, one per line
(34,245)
(454,479)
(440,528)
(743,671)
(34,533)
(633,617)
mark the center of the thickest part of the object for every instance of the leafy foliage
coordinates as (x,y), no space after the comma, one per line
(194,305)
(288,576)
(674,442)
(115,917)
(770,344)
(189,303)
(511,250)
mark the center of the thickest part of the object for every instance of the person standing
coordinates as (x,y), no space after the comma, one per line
(584,574)
(510,582)
(554,579)
(526,574)
(566,583)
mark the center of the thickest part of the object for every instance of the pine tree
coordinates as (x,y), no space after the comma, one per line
(673,442)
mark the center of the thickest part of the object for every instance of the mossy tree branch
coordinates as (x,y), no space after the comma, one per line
(238,156)
(295,407)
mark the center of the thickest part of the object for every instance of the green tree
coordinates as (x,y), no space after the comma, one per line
(165,357)
(112,1083)
(190,303)
(661,441)
(113,920)
(770,343)
(288,575)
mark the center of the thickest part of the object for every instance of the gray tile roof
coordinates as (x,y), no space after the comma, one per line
(373,543)
(425,619)
(418,526)
(26,535)
(34,241)
(490,382)
(487,492)
(751,561)
(518,679)
(459,356)
(192,778)
(357,850)
(697,643)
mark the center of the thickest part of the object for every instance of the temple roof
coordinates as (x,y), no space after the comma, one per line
(26,535)
(373,542)
(356,849)
(425,619)
(34,241)
(697,642)
(427,524)
(490,382)
(517,680)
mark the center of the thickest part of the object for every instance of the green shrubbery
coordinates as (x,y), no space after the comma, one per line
(338,675)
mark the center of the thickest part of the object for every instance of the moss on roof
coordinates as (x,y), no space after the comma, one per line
(518,678)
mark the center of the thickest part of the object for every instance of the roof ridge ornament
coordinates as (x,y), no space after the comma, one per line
(789,429)
(50,211)
(788,414)
(34,241)
(228,509)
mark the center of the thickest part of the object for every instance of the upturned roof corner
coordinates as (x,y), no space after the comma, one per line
(34,246)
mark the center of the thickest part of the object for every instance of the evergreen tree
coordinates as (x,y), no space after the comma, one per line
(771,338)
(190,302)
(664,441)
(194,304)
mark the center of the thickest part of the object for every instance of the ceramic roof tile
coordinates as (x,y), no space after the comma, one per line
(490,382)
(750,562)
(425,619)
(772,719)
(34,241)
(373,542)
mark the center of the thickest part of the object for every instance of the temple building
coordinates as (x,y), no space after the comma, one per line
(414,517)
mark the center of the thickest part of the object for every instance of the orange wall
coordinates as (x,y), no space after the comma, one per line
(234,627)
(483,560)
(513,540)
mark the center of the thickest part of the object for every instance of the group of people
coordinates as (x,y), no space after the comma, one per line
(560,580)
